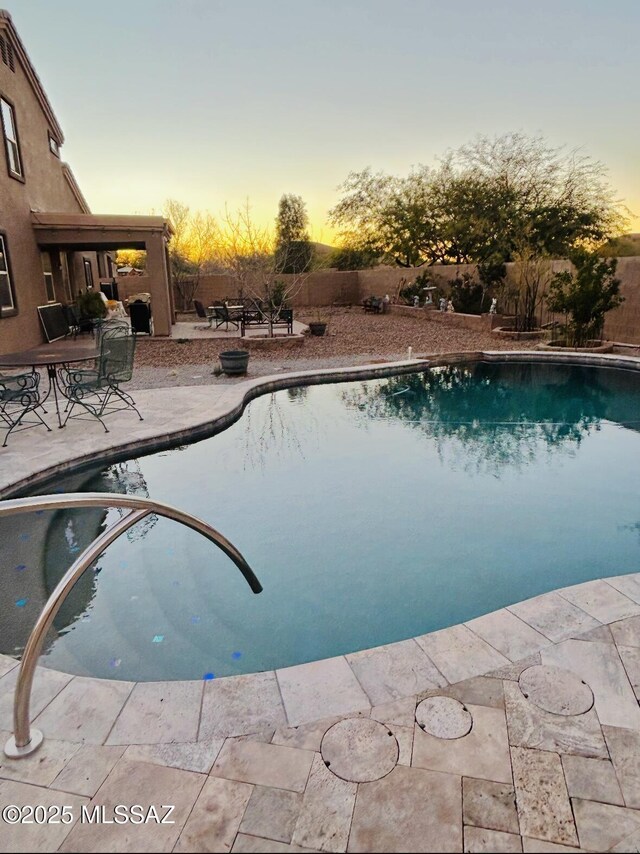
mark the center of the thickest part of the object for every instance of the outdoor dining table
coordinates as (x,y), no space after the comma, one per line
(50,358)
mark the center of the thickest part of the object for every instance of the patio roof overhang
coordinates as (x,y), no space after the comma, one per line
(86,232)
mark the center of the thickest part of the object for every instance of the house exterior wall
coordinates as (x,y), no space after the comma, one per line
(45,188)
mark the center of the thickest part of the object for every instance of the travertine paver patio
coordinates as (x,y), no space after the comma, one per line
(248,762)
(306,759)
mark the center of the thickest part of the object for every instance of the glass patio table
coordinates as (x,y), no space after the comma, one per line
(50,358)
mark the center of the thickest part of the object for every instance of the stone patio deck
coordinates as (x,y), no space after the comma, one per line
(185,330)
(260,762)
(264,762)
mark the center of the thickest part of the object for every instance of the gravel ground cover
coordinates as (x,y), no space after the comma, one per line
(353,338)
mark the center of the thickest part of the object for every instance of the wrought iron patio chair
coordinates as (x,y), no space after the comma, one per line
(201,311)
(73,321)
(224,315)
(19,402)
(97,391)
(114,323)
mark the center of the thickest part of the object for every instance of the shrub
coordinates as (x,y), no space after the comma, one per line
(277,295)
(416,288)
(90,304)
(468,296)
(585,297)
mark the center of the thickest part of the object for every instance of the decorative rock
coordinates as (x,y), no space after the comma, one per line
(556,690)
(359,750)
(443,717)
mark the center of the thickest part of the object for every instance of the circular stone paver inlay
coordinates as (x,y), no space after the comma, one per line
(359,750)
(444,717)
(556,690)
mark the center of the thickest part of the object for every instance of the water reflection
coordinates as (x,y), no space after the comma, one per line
(124,479)
(354,502)
(37,549)
(485,418)
(273,429)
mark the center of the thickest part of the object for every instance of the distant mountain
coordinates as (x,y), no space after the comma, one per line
(628,244)
(322,248)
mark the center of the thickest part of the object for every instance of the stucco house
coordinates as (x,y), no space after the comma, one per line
(51,245)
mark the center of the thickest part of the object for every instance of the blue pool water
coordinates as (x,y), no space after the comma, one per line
(371,512)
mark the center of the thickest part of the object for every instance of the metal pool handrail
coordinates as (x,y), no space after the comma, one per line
(25,740)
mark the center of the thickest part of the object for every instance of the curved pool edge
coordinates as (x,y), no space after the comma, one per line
(184,414)
(179,415)
(378,682)
(127,713)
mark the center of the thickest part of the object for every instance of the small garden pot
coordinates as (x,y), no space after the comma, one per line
(234,363)
(317,328)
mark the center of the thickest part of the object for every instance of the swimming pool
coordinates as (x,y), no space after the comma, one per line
(371,512)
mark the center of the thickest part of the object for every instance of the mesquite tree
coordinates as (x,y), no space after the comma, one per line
(479,205)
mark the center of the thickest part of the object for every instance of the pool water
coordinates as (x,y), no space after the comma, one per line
(371,512)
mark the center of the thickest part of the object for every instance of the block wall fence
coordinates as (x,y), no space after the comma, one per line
(326,287)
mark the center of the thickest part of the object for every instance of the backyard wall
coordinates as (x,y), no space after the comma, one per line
(387,280)
(326,287)
(623,323)
(323,287)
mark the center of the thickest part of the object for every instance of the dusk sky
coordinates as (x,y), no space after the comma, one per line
(213,101)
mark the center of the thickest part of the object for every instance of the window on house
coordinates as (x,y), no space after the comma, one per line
(88,272)
(100,258)
(47,272)
(14,162)
(7,300)
(54,148)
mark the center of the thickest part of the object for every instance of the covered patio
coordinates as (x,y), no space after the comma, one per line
(63,232)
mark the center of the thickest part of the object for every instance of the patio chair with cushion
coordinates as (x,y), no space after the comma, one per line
(97,391)
(19,402)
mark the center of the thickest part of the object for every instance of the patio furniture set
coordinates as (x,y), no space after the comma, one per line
(249,313)
(77,392)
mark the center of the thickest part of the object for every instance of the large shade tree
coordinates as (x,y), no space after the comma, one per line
(480,205)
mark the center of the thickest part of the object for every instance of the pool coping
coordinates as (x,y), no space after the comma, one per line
(500,644)
(352,683)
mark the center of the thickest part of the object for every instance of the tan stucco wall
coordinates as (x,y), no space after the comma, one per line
(389,280)
(330,286)
(623,323)
(320,288)
(45,188)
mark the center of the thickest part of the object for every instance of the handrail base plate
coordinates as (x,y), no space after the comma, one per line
(12,751)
